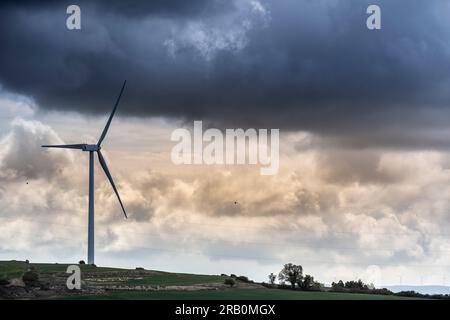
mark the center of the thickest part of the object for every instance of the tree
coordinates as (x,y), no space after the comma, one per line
(307,283)
(356,285)
(272,278)
(291,273)
(339,286)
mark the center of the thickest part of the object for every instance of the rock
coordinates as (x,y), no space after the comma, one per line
(16,282)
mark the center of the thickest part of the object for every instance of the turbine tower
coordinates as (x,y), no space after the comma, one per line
(91,148)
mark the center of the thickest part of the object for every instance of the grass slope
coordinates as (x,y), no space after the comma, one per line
(14,269)
(176,279)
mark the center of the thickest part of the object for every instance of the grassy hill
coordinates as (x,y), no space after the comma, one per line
(115,283)
(14,269)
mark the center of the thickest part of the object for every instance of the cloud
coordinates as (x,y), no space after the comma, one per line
(324,208)
(12,105)
(219,34)
(309,65)
(139,8)
(21,154)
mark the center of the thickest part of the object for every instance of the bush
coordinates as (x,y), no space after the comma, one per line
(224,275)
(356,285)
(269,285)
(230,282)
(409,294)
(140,268)
(284,286)
(242,278)
(233,275)
(382,291)
(308,284)
(81,262)
(31,278)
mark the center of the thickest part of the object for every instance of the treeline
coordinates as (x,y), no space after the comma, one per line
(361,287)
(291,277)
(358,287)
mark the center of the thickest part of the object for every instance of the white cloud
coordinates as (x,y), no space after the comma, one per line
(21,155)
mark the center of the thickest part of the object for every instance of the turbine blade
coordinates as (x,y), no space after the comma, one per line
(66,146)
(108,175)
(105,131)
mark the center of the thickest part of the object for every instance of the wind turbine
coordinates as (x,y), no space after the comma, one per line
(91,148)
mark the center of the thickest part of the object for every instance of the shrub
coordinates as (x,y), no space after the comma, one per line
(284,286)
(230,282)
(242,278)
(81,262)
(140,268)
(338,286)
(31,278)
(308,284)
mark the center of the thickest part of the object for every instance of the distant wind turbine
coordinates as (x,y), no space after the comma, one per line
(91,148)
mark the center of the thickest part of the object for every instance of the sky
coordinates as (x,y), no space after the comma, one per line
(363,185)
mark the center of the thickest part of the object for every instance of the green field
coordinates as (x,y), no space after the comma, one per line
(234,294)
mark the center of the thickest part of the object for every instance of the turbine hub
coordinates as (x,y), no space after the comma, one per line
(91,147)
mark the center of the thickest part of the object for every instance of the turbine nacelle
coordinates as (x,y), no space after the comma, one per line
(91,147)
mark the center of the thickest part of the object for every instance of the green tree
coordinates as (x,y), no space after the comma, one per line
(307,283)
(291,273)
(272,278)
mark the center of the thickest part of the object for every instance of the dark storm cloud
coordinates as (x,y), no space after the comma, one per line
(126,8)
(309,65)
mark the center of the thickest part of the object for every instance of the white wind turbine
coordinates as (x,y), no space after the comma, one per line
(91,148)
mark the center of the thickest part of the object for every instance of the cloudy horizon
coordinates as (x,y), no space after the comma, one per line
(364,177)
